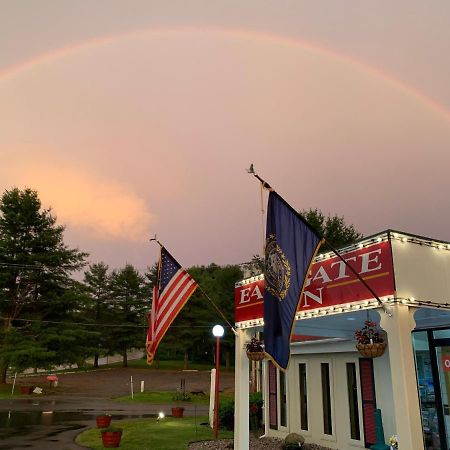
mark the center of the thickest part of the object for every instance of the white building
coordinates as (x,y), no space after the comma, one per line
(330,392)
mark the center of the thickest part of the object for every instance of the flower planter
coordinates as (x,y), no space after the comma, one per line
(53,379)
(371,350)
(103,421)
(256,356)
(177,411)
(111,439)
(26,390)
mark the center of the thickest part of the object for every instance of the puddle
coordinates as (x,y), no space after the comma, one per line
(16,423)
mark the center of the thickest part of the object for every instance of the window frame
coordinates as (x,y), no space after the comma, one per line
(357,397)
(306,395)
(279,402)
(325,436)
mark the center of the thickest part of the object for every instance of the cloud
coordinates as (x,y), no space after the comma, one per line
(99,207)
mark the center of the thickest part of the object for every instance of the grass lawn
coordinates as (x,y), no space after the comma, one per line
(149,434)
(165,397)
(5,390)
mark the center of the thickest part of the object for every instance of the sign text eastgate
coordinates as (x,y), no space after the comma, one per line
(330,282)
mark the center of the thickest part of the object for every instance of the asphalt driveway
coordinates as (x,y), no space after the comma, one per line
(52,420)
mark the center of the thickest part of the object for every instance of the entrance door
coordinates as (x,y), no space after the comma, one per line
(432,352)
(443,364)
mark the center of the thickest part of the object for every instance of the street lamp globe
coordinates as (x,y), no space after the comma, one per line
(218,331)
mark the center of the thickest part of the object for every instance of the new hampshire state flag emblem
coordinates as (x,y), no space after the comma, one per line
(278,269)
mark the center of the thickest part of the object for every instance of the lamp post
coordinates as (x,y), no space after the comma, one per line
(218,333)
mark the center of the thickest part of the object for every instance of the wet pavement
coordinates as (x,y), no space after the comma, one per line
(53,422)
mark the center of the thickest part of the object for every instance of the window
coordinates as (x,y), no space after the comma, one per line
(352,388)
(303,396)
(283,401)
(326,399)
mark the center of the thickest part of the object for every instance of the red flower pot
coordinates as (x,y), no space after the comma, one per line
(111,439)
(26,390)
(103,421)
(177,411)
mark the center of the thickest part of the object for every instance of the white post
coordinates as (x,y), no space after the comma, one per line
(241,388)
(142,385)
(212,397)
(265,391)
(403,371)
(14,384)
(131,386)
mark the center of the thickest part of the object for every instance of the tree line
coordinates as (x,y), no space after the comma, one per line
(49,318)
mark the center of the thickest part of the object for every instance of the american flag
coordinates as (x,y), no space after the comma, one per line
(172,290)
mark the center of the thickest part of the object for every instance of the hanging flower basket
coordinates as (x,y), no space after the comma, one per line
(256,356)
(371,350)
(255,350)
(370,341)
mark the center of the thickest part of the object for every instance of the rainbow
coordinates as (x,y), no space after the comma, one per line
(419,96)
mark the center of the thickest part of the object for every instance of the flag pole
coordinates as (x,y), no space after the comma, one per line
(204,293)
(156,240)
(217,309)
(267,186)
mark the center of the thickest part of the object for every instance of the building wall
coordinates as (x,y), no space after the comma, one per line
(421,271)
(337,360)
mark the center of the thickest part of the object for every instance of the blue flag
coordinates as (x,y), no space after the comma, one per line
(291,245)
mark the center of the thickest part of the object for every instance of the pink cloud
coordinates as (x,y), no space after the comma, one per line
(100,207)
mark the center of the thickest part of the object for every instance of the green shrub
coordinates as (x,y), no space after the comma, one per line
(255,409)
(226,414)
(181,397)
(255,398)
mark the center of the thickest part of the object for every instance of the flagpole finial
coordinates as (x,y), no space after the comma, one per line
(264,183)
(154,238)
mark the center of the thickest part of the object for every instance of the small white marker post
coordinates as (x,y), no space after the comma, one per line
(131,383)
(142,386)
(212,398)
(14,384)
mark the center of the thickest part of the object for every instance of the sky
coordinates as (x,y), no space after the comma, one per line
(135,118)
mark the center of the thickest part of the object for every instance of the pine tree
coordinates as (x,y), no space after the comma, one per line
(129,306)
(190,334)
(35,268)
(97,287)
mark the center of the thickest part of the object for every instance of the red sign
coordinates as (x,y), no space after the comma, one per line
(330,282)
(446,363)
(248,301)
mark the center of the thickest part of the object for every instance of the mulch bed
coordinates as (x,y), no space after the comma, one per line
(255,444)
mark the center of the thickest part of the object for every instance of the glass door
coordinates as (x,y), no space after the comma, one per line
(428,390)
(443,364)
